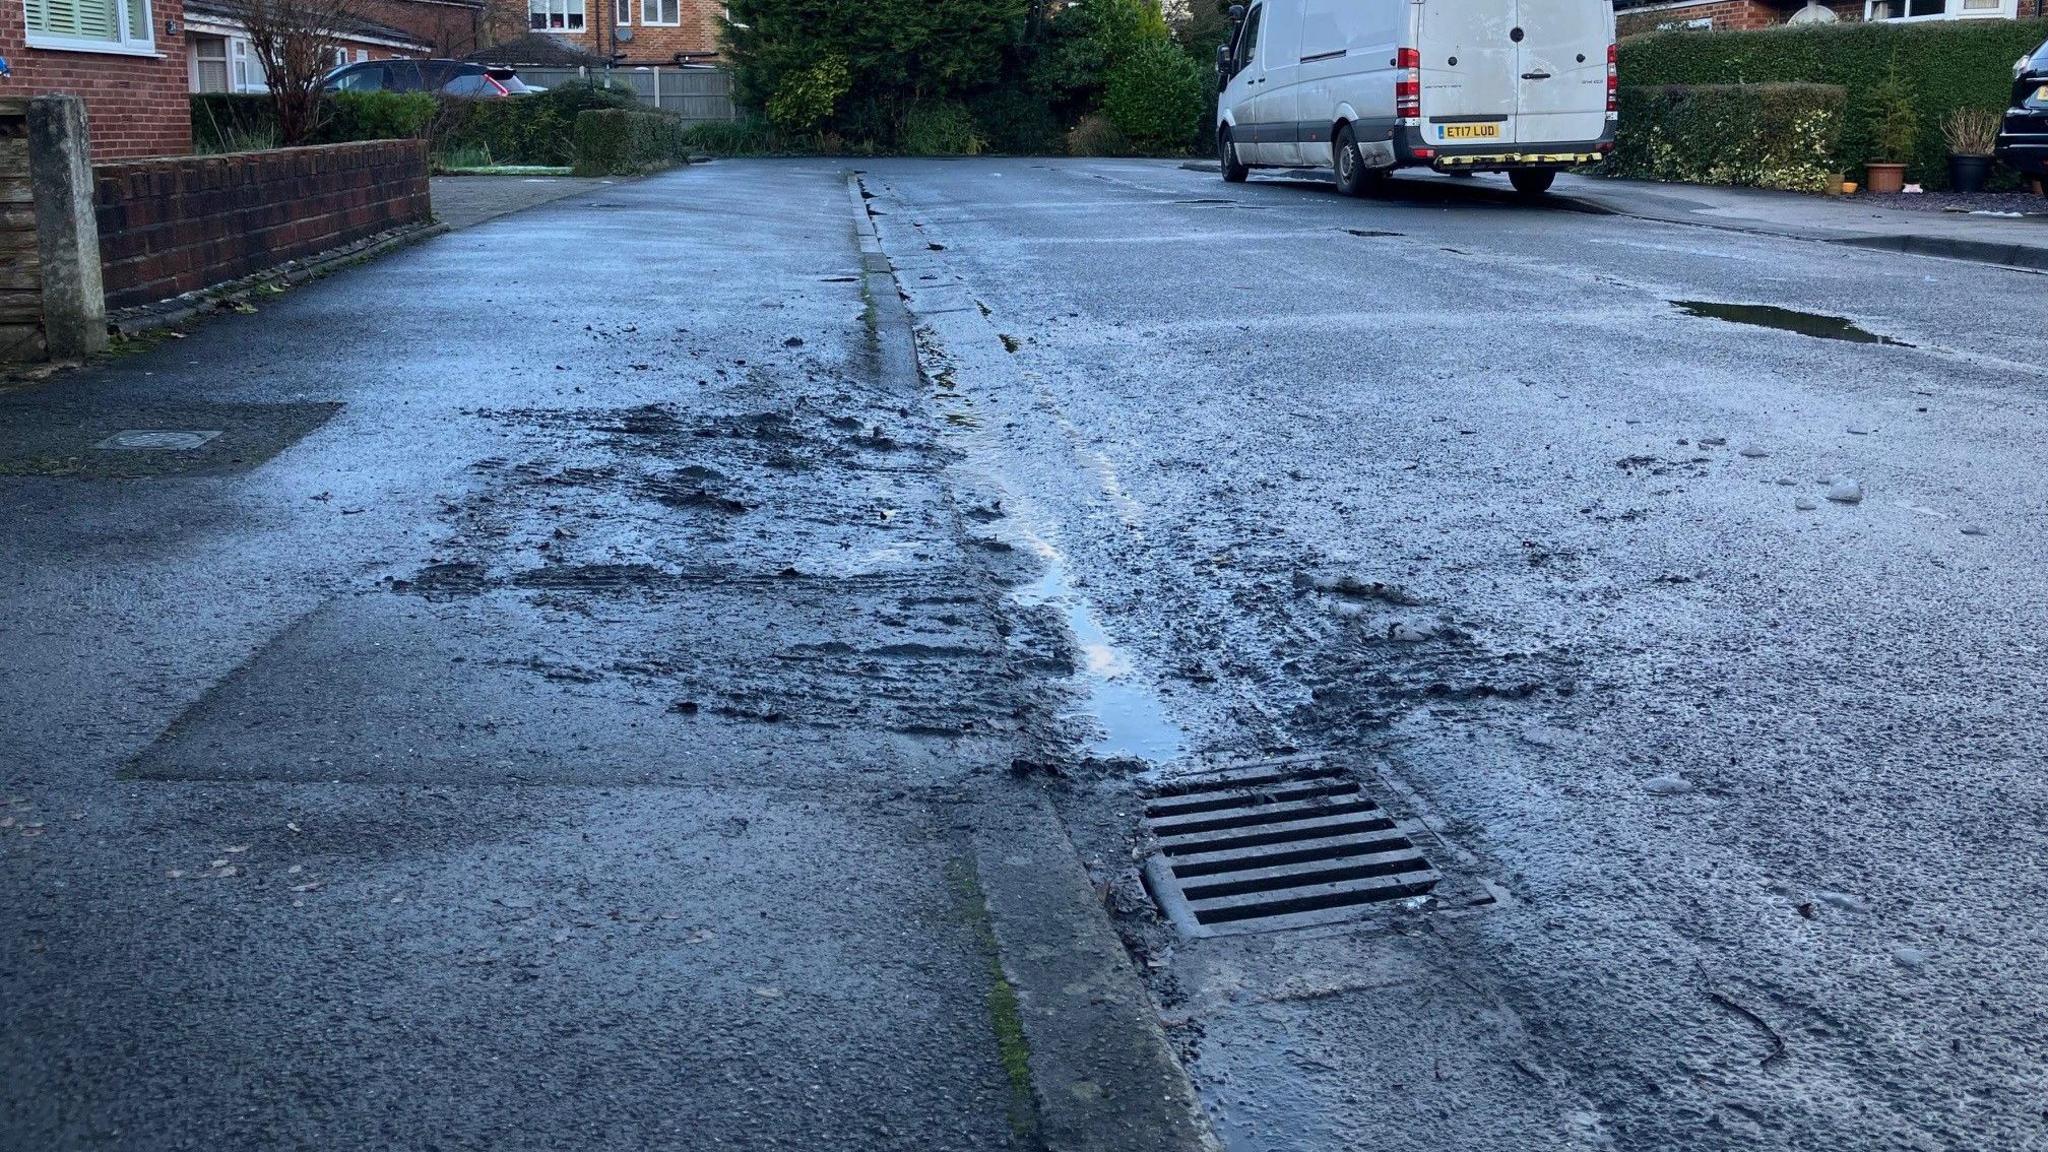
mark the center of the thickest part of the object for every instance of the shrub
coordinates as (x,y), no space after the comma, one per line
(732,138)
(941,128)
(1158,99)
(376,116)
(1972,131)
(537,129)
(1097,136)
(1016,122)
(1943,64)
(1782,136)
(618,142)
(1084,43)
(805,100)
(233,122)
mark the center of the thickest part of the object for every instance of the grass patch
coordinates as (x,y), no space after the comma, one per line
(1005,1011)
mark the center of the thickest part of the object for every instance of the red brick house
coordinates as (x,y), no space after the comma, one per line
(638,33)
(221,60)
(126,58)
(1633,16)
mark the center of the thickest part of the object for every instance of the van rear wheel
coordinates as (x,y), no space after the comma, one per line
(1353,177)
(1234,170)
(1532,181)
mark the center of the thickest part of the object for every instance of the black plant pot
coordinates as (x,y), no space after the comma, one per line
(1968,173)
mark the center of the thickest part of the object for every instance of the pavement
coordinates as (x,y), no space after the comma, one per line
(693,680)
(466,201)
(566,709)
(1851,220)
(1883,223)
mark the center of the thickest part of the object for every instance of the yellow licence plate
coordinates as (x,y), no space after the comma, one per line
(2041,94)
(1469,132)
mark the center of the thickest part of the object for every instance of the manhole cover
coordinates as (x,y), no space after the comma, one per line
(152,440)
(1278,845)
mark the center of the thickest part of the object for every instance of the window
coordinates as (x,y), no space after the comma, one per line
(622,12)
(210,64)
(554,15)
(1940,9)
(1248,39)
(659,12)
(369,79)
(92,25)
(248,67)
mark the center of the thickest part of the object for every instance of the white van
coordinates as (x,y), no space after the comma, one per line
(1525,87)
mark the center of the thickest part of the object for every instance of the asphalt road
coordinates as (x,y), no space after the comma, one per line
(589,694)
(1755,773)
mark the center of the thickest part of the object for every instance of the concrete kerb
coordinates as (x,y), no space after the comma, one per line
(144,318)
(1104,1077)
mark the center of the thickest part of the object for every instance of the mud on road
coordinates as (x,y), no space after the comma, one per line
(1678,637)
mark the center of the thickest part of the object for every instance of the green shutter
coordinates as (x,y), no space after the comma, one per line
(138,21)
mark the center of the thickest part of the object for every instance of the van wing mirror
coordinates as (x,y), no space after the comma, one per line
(1223,60)
(1237,13)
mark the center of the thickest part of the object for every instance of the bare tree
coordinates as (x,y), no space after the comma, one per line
(294,40)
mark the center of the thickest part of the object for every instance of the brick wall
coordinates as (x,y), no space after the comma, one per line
(136,104)
(451,29)
(1727,15)
(176,225)
(694,35)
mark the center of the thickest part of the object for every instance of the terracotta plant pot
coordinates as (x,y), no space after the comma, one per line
(1883,179)
(1849,187)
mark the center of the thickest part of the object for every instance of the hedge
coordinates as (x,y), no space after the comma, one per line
(617,142)
(1782,136)
(535,129)
(1944,64)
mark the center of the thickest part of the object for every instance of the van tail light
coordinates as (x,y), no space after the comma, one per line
(1408,86)
(1613,79)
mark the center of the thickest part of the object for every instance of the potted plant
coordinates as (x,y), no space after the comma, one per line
(1895,129)
(1972,136)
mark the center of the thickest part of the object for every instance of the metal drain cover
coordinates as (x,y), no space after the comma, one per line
(1284,844)
(155,440)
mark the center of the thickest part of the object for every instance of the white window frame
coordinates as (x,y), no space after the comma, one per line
(646,22)
(622,13)
(126,41)
(245,68)
(1950,10)
(577,10)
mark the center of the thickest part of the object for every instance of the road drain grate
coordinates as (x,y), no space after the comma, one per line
(1280,845)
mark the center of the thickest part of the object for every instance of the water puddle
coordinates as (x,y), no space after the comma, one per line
(1787,320)
(1118,699)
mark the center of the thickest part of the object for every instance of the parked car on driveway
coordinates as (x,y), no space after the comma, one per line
(1368,86)
(450,77)
(2023,142)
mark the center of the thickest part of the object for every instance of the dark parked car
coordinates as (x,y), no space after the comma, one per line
(451,77)
(2024,141)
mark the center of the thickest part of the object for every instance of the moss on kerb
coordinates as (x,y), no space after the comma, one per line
(1005,1011)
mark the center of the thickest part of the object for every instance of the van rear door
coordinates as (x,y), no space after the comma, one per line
(1470,63)
(1562,70)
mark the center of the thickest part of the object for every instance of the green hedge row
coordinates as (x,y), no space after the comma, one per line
(1943,64)
(1782,136)
(536,129)
(618,142)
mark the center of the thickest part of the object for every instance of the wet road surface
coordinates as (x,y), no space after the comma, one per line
(593,700)
(542,717)
(1710,650)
